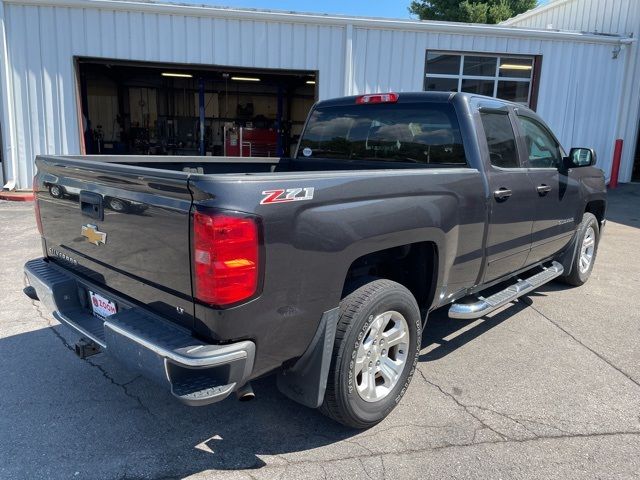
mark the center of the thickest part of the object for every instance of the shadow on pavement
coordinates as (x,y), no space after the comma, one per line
(624,205)
(93,414)
(442,335)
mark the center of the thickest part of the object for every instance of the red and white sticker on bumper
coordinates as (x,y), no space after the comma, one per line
(282,195)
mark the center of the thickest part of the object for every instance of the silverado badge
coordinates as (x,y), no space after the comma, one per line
(95,236)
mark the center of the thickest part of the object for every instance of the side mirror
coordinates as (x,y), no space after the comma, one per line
(580,157)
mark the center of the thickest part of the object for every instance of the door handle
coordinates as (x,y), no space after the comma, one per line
(502,193)
(91,205)
(543,189)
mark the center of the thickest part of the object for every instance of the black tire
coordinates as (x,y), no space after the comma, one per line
(579,276)
(56,191)
(117,205)
(342,402)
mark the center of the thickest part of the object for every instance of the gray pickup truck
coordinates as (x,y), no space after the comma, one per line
(207,273)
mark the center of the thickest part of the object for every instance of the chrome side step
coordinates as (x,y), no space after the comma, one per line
(467,311)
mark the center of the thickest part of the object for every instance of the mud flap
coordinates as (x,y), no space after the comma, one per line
(306,381)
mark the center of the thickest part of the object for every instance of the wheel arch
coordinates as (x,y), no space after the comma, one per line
(597,208)
(413,265)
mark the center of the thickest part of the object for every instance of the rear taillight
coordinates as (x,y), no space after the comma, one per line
(36,207)
(225,257)
(377,98)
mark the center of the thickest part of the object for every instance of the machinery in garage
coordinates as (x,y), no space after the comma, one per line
(150,109)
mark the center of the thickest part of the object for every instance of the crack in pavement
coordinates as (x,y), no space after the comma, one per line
(102,370)
(517,419)
(446,447)
(528,301)
(463,406)
(505,438)
(384,467)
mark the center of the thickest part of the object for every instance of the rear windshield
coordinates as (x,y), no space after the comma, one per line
(423,133)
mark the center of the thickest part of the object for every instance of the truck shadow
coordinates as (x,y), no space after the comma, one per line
(443,335)
(93,419)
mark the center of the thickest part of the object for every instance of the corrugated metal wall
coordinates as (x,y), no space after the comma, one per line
(579,85)
(579,90)
(603,16)
(43,41)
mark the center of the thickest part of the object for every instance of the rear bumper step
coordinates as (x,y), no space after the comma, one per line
(483,306)
(196,373)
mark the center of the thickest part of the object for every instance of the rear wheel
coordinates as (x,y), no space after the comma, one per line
(117,205)
(375,353)
(56,191)
(588,237)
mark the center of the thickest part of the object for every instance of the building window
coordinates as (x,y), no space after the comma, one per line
(506,77)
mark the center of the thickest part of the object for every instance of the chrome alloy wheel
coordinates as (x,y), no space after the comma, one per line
(587,249)
(382,356)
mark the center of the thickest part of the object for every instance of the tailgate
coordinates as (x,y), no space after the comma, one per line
(123,227)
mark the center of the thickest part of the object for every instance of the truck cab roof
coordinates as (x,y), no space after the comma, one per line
(423,97)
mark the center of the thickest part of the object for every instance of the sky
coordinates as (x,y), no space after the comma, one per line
(364,8)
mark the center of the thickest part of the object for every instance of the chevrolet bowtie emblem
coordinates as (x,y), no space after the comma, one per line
(91,233)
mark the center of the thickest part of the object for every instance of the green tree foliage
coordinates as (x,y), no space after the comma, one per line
(469,11)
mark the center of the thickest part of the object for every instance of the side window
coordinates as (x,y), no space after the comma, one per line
(500,139)
(543,150)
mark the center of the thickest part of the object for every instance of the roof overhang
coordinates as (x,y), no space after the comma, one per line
(534,11)
(331,20)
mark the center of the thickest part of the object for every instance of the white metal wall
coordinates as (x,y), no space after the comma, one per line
(603,16)
(579,85)
(43,40)
(579,89)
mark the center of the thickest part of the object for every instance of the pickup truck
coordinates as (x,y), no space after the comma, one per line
(321,268)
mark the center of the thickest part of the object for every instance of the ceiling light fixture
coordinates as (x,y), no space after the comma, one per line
(310,82)
(245,79)
(180,75)
(513,66)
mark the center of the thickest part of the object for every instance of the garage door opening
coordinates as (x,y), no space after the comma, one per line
(160,109)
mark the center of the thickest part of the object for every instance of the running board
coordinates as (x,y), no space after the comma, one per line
(480,308)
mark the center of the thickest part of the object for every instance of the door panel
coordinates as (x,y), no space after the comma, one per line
(510,222)
(511,199)
(555,213)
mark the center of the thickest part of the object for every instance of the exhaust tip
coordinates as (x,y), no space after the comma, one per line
(245,393)
(30,292)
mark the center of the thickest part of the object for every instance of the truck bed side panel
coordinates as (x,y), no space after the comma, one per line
(310,245)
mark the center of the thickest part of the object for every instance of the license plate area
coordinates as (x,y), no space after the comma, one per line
(101,306)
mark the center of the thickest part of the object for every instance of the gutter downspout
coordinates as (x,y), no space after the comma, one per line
(9,159)
(348,60)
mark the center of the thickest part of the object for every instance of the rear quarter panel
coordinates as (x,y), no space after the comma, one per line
(310,245)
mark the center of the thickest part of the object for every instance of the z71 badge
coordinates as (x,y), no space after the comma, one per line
(282,195)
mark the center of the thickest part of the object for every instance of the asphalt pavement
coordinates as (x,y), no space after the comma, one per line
(547,388)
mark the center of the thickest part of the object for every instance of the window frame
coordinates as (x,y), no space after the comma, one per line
(532,93)
(523,144)
(508,112)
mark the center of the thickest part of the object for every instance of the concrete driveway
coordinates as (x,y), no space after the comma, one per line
(548,388)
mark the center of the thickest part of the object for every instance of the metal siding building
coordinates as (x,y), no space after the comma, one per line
(581,85)
(616,17)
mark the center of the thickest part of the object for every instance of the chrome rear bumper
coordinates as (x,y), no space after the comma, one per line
(197,373)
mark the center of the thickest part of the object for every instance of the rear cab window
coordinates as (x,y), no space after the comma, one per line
(501,139)
(411,134)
